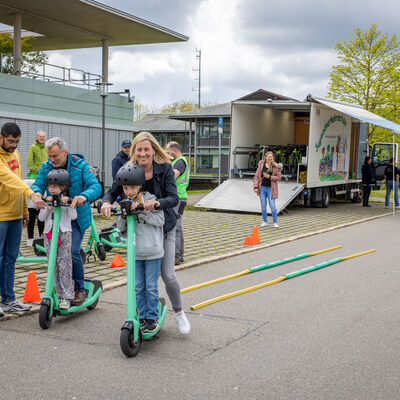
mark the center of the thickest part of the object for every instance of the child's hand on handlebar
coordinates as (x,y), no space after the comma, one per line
(65,199)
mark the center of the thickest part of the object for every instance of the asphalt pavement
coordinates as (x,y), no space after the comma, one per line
(329,334)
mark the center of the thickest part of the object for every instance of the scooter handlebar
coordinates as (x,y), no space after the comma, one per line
(56,202)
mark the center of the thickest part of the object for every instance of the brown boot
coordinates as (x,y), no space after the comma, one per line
(80,297)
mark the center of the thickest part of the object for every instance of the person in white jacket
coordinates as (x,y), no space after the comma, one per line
(58,181)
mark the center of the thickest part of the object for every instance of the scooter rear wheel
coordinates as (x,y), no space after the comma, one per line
(93,306)
(128,346)
(44,316)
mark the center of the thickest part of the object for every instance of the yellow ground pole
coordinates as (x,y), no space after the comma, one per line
(280,279)
(239,292)
(256,269)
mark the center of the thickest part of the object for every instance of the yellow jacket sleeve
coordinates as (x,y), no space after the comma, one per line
(12,183)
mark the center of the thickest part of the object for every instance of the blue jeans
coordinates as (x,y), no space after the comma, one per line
(266,193)
(147,273)
(10,239)
(77,264)
(389,188)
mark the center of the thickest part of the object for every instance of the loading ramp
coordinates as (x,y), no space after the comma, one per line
(238,195)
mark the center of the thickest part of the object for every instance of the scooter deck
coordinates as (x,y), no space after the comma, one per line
(162,312)
(94,288)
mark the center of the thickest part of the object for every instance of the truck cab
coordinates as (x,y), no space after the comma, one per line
(381,154)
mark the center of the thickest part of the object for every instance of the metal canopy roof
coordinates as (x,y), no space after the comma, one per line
(82,24)
(218,110)
(357,112)
(277,104)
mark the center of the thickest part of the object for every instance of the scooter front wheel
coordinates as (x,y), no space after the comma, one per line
(101,251)
(129,346)
(44,316)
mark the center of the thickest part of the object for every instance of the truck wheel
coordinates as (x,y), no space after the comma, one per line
(356,198)
(325,198)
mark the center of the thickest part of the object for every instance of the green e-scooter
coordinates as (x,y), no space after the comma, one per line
(49,306)
(131,335)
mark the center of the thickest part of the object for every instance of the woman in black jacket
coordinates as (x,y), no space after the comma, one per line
(160,181)
(368,180)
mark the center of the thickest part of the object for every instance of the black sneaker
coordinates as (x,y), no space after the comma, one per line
(143,323)
(151,325)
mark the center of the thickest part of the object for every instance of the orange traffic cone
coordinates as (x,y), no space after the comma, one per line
(31,289)
(255,236)
(117,262)
(248,240)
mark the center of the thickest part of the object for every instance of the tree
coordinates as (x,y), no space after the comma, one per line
(368,74)
(30,59)
(140,110)
(179,106)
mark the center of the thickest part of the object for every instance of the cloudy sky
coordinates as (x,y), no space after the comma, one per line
(283,46)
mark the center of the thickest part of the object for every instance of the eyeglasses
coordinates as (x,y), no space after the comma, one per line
(12,142)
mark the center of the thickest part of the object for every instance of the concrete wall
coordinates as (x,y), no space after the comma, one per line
(68,112)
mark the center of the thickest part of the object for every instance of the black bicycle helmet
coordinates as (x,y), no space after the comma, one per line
(130,175)
(58,177)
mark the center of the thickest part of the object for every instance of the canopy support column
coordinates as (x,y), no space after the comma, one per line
(17,59)
(105,60)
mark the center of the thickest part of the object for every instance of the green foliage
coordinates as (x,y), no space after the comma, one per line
(30,59)
(179,106)
(369,75)
(140,110)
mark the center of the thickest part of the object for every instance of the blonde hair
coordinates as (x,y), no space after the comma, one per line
(266,154)
(160,155)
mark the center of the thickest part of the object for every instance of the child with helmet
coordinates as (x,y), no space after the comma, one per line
(149,244)
(57,182)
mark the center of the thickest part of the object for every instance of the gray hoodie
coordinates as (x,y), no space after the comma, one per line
(149,233)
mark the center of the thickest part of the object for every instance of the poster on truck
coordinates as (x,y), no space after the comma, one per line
(329,147)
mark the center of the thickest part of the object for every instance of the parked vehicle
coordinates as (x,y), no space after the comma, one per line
(322,144)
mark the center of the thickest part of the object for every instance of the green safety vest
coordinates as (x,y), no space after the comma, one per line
(182,181)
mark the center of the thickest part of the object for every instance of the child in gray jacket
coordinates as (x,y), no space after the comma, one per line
(149,245)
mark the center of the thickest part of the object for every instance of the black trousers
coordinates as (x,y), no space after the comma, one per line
(33,213)
(366,193)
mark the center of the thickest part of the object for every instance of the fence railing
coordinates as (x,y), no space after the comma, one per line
(53,73)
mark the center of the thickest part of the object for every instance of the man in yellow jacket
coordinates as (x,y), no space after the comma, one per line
(13,214)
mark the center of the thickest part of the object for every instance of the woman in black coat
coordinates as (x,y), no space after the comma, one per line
(160,181)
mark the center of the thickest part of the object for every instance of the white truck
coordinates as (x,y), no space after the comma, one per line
(322,144)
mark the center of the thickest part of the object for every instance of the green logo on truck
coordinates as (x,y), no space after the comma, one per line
(331,120)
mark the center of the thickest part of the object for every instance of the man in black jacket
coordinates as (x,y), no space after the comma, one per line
(368,180)
(121,158)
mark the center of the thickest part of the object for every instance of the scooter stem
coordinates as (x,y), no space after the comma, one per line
(130,273)
(53,254)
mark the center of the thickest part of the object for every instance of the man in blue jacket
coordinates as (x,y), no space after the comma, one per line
(121,158)
(84,189)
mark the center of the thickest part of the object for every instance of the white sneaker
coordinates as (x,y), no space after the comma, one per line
(276,225)
(397,206)
(1,312)
(183,323)
(29,242)
(263,224)
(64,304)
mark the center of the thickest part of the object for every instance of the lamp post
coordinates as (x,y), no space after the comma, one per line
(104,93)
